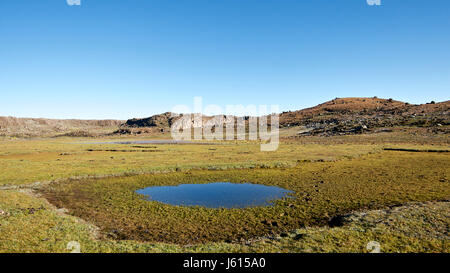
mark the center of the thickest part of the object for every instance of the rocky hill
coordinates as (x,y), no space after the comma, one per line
(355,115)
(157,123)
(33,127)
(162,121)
(338,116)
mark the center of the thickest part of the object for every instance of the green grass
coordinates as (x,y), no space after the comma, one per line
(24,162)
(104,215)
(32,225)
(322,190)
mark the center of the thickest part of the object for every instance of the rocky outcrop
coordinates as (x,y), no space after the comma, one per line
(163,121)
(338,116)
(359,115)
(30,127)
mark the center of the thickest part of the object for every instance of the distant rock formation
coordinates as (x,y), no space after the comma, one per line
(162,121)
(357,115)
(338,116)
(33,127)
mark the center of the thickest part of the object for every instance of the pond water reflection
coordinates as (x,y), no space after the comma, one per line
(216,195)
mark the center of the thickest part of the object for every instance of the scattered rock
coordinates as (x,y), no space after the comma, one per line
(270,223)
(299,236)
(4,213)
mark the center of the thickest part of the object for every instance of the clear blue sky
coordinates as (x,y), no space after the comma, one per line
(135,58)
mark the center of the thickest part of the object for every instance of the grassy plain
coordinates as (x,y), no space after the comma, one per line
(27,161)
(92,201)
(322,190)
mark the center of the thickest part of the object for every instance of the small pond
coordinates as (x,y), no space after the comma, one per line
(216,195)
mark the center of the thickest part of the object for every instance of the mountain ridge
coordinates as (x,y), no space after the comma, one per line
(337,116)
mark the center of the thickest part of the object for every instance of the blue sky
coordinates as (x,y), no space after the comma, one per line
(135,58)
